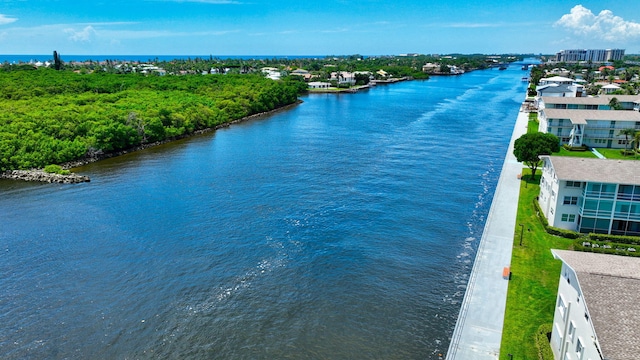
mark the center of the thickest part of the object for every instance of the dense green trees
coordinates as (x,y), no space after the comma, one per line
(529,147)
(51,117)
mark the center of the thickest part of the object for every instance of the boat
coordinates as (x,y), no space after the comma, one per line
(502,67)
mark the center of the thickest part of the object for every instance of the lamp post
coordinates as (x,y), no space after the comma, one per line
(521,233)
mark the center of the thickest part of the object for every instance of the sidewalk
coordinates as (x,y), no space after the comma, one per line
(478,332)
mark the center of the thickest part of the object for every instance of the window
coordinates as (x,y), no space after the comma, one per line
(568,218)
(622,142)
(579,349)
(562,307)
(574,184)
(570,200)
(572,331)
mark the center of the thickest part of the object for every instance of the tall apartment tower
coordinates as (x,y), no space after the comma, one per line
(593,55)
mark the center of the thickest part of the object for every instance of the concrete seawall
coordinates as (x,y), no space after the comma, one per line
(478,331)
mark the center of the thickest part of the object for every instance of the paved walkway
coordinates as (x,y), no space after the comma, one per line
(478,332)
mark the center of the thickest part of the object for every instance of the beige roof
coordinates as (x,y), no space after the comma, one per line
(610,286)
(582,116)
(589,100)
(596,170)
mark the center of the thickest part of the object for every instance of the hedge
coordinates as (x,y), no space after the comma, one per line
(542,342)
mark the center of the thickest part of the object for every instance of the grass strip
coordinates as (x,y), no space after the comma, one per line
(532,289)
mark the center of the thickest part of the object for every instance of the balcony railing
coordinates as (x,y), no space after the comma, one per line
(598,194)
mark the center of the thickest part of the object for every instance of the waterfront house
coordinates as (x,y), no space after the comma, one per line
(271,73)
(591,195)
(319,85)
(610,88)
(430,68)
(594,128)
(559,86)
(558,80)
(343,77)
(597,313)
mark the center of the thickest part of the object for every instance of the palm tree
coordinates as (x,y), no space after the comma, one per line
(627,132)
(636,141)
(614,104)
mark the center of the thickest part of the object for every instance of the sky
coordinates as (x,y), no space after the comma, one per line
(314,27)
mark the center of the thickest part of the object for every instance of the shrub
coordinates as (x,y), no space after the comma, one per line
(563,233)
(633,240)
(607,248)
(56,169)
(542,342)
(575,148)
(568,234)
(541,217)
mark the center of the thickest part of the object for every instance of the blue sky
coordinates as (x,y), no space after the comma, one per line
(311,27)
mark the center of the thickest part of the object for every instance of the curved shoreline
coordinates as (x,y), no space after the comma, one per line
(38,175)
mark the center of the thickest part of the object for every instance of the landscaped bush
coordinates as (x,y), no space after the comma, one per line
(542,342)
(634,240)
(568,234)
(543,220)
(607,248)
(563,233)
(575,148)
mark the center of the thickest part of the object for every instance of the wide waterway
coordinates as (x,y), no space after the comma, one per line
(343,228)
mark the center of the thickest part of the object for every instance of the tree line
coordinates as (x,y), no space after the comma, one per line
(52,117)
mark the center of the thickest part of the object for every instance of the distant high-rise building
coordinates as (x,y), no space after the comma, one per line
(593,55)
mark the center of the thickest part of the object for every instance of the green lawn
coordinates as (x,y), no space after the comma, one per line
(616,154)
(532,289)
(532,125)
(565,152)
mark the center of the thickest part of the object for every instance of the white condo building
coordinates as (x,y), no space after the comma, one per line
(580,121)
(593,128)
(593,55)
(591,195)
(597,314)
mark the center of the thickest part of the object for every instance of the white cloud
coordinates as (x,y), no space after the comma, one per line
(604,26)
(84,35)
(4,19)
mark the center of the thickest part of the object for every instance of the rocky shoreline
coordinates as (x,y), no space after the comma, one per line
(38,175)
(41,176)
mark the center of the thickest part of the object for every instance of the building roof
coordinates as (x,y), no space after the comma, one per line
(610,285)
(596,170)
(554,88)
(582,116)
(556,79)
(589,100)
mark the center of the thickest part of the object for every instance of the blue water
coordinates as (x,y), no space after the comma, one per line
(343,228)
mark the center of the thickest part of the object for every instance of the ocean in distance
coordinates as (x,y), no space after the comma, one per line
(345,227)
